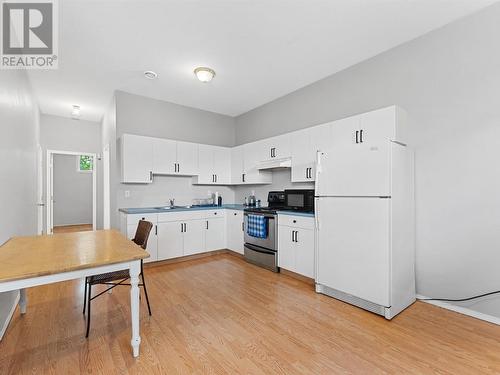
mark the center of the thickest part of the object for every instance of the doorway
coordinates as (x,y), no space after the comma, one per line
(71,191)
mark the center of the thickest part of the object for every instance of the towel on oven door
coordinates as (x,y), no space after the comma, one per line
(257,226)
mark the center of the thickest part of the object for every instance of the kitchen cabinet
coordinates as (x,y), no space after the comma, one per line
(170,240)
(214,165)
(215,230)
(174,157)
(235,230)
(237,165)
(136,159)
(305,144)
(296,244)
(128,227)
(276,148)
(252,154)
(193,236)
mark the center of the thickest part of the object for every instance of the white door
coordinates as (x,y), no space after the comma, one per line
(194,237)
(215,234)
(137,159)
(187,158)
(235,234)
(206,164)
(50,194)
(353,246)
(222,165)
(286,246)
(170,240)
(164,156)
(304,252)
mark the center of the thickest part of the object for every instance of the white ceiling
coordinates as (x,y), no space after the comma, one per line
(260,49)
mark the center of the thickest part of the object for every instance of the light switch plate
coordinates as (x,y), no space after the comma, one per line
(127,193)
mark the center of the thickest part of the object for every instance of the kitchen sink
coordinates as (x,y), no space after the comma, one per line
(170,207)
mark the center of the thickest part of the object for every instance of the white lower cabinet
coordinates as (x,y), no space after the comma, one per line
(235,230)
(194,237)
(170,240)
(296,244)
(215,229)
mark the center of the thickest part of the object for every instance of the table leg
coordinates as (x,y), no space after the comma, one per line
(135,269)
(22,301)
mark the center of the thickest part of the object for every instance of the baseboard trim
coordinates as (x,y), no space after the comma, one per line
(297,276)
(192,257)
(461,310)
(9,316)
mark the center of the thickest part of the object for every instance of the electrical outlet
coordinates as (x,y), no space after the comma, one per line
(127,193)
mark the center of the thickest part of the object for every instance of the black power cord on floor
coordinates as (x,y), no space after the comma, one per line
(459,300)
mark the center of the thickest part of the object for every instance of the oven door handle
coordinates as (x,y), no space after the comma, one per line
(259,250)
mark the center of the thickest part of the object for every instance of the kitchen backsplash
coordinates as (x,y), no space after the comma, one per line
(281,181)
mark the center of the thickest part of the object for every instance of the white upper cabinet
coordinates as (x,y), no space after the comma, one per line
(252,153)
(214,165)
(187,158)
(276,148)
(237,165)
(304,145)
(136,159)
(174,157)
(164,156)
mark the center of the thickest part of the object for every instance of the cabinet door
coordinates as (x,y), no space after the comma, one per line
(215,234)
(206,164)
(164,156)
(235,233)
(237,171)
(194,237)
(187,158)
(343,133)
(252,154)
(302,156)
(222,165)
(170,240)
(377,126)
(136,159)
(286,247)
(279,147)
(304,252)
(320,140)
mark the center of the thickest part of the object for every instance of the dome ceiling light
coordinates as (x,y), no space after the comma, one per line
(204,74)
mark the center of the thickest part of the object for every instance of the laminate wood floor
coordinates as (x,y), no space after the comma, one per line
(220,315)
(72,228)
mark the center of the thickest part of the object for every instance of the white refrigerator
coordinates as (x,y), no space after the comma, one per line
(365,214)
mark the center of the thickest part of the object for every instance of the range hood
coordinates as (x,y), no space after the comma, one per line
(275,164)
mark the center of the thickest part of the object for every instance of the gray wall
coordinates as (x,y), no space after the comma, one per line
(140,115)
(19,123)
(65,134)
(449,82)
(72,192)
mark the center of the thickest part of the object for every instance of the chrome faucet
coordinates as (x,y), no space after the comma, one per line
(171,202)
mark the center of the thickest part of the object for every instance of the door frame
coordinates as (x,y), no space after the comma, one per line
(50,184)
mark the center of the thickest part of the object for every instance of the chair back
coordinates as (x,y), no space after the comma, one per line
(142,233)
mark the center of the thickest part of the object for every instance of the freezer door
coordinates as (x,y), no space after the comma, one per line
(353,253)
(355,170)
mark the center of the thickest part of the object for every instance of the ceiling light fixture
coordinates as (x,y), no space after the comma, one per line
(204,74)
(75,112)
(149,74)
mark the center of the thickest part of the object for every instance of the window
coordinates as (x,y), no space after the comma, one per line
(85,163)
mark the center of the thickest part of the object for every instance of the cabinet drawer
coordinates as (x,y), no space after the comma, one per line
(296,221)
(133,219)
(189,215)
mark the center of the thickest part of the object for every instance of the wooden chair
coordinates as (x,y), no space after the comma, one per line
(118,277)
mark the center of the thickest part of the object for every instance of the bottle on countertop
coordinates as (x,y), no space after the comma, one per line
(216,198)
(219,201)
(246,201)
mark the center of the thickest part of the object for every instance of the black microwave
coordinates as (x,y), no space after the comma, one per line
(300,200)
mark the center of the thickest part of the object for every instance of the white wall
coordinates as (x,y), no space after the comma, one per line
(449,82)
(65,134)
(72,192)
(19,127)
(140,115)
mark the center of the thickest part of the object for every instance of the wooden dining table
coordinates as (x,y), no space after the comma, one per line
(38,260)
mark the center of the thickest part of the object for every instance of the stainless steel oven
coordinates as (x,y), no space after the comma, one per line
(262,251)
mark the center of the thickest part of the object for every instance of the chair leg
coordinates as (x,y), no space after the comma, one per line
(85,296)
(88,311)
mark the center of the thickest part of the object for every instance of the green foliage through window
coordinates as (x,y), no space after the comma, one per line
(85,163)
